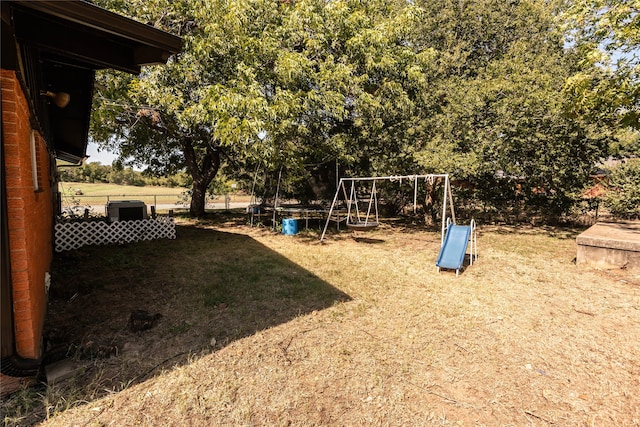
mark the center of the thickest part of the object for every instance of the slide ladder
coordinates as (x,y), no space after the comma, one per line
(454,247)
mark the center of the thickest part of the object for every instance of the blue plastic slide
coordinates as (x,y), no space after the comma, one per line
(454,247)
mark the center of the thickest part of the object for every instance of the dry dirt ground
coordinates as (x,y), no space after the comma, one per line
(263,329)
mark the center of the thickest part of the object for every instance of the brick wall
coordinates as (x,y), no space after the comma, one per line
(30,217)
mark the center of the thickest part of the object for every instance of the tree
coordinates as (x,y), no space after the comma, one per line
(606,36)
(203,106)
(356,76)
(478,89)
(607,30)
(320,81)
(501,114)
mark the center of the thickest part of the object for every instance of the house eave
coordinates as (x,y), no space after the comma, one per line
(56,46)
(91,16)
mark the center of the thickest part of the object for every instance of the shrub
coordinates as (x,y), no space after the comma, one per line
(622,196)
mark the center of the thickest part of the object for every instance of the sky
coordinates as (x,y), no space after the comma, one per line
(104,157)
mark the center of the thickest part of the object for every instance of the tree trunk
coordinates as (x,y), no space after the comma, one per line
(198,198)
(202,175)
(430,208)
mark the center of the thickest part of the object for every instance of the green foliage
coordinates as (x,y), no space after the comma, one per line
(606,27)
(622,196)
(89,172)
(501,120)
(606,37)
(485,90)
(626,144)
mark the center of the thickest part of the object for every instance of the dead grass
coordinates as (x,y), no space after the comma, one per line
(264,329)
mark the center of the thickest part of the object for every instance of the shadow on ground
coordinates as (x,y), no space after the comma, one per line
(202,291)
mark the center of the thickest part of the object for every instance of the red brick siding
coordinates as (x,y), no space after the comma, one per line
(30,217)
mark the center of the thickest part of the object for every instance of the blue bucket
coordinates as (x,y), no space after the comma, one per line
(289,226)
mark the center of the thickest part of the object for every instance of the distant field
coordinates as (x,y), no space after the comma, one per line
(91,195)
(101,189)
(80,194)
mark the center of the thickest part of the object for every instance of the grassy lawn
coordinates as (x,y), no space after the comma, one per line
(258,328)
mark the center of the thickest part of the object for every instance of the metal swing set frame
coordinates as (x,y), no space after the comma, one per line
(358,220)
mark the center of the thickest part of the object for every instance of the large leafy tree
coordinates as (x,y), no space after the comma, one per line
(288,84)
(480,89)
(501,114)
(361,77)
(204,108)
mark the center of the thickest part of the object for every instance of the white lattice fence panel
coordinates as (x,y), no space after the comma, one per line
(73,235)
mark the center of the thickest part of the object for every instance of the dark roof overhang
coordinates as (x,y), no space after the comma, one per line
(57,46)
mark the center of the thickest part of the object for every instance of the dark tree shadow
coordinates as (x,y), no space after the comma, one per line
(208,288)
(367,240)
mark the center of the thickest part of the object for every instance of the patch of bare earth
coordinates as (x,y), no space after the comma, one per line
(522,337)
